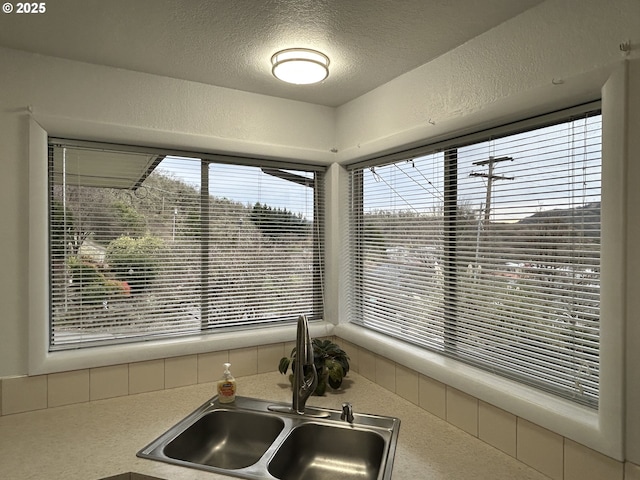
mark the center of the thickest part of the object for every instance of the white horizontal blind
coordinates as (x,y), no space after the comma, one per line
(490,253)
(146,245)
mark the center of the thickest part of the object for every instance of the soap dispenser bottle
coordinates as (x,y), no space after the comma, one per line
(226,386)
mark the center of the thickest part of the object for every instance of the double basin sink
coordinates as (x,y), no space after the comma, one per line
(258,439)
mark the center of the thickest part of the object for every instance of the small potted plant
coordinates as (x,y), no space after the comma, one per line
(330,361)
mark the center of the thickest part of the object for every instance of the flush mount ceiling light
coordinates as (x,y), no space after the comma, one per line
(300,66)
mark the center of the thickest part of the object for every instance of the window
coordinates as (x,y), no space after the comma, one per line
(487,249)
(148,244)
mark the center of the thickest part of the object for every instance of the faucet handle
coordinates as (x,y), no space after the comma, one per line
(347,412)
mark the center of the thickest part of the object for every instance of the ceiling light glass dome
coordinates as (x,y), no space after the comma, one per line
(300,66)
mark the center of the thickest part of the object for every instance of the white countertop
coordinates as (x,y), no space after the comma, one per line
(90,441)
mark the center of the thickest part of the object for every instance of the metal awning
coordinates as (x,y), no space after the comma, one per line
(102,168)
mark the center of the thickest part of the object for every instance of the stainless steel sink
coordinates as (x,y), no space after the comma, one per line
(315,451)
(226,439)
(257,439)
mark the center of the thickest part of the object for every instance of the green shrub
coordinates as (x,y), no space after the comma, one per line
(87,278)
(131,221)
(135,260)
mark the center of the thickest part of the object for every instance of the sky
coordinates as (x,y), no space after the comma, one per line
(243,184)
(553,167)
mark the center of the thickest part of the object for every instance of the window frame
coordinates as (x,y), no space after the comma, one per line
(600,429)
(450,233)
(43,361)
(150,159)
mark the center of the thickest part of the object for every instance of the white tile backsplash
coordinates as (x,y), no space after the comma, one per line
(146,376)
(540,448)
(108,382)
(180,371)
(67,388)
(385,373)
(269,357)
(367,366)
(407,383)
(23,394)
(497,428)
(433,396)
(210,366)
(582,463)
(244,361)
(462,411)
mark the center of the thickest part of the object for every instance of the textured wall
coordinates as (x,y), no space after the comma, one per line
(501,75)
(93,102)
(632,334)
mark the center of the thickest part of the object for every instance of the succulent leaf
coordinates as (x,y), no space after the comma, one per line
(284,365)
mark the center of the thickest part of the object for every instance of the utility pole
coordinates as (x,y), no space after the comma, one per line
(490,179)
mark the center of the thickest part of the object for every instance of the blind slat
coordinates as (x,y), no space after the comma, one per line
(147,245)
(488,252)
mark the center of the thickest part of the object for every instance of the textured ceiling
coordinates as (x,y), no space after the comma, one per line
(229,43)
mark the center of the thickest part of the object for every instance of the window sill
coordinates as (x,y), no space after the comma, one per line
(597,429)
(43,362)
